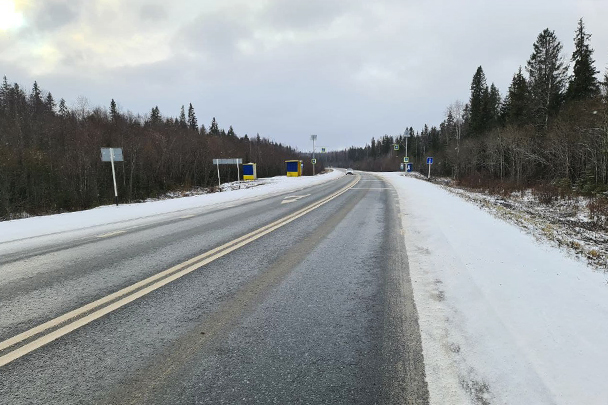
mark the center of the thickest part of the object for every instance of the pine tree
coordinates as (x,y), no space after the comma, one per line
(479,94)
(231,132)
(113,111)
(547,77)
(192,122)
(214,129)
(584,84)
(203,130)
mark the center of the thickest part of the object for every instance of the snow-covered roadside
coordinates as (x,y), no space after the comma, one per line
(504,319)
(51,224)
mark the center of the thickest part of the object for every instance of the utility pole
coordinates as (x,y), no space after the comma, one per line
(313,138)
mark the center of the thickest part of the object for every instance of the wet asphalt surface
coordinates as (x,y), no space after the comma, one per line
(319,311)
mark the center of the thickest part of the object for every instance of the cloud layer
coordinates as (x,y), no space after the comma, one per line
(345,70)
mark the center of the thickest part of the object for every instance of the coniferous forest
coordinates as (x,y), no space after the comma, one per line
(549,129)
(50,154)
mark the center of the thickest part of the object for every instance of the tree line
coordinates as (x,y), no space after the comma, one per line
(551,127)
(50,154)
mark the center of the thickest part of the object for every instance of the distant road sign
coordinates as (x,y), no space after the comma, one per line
(406,160)
(323,150)
(105,154)
(396,147)
(402,166)
(429,160)
(410,167)
(227,161)
(314,161)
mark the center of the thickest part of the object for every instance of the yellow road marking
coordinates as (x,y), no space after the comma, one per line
(106,235)
(149,284)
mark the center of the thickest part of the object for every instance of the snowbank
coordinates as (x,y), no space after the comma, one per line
(50,224)
(503,318)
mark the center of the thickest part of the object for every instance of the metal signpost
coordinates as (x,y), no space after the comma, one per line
(313,138)
(429,161)
(112,155)
(219,162)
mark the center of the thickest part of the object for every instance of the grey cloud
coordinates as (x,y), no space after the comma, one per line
(305,14)
(213,36)
(153,12)
(53,14)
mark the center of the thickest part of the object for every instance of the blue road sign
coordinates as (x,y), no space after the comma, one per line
(429,160)
(410,167)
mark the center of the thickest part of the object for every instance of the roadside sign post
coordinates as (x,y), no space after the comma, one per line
(429,161)
(313,138)
(236,162)
(406,159)
(112,155)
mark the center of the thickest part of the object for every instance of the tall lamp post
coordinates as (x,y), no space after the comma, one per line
(313,138)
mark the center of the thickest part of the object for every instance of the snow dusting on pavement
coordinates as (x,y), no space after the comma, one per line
(504,319)
(110,214)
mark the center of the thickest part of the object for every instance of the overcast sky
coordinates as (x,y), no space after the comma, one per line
(344,70)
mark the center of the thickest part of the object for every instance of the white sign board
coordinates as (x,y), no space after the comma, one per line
(227,161)
(106,157)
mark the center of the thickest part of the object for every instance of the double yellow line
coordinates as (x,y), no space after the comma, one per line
(79,317)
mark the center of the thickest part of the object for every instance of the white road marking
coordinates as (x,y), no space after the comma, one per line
(293,198)
(107,235)
(187,216)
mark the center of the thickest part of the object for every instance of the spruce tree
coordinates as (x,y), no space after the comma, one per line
(515,107)
(113,111)
(214,129)
(155,118)
(478,103)
(182,118)
(63,109)
(36,99)
(584,84)
(231,132)
(192,122)
(49,104)
(547,78)
(493,107)
(4,95)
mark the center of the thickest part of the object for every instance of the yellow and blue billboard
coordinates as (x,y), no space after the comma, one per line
(250,171)
(294,168)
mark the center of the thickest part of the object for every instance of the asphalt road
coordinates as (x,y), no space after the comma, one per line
(297,298)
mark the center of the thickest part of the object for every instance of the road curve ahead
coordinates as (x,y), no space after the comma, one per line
(297,298)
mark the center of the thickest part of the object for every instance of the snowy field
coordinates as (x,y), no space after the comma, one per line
(505,319)
(106,215)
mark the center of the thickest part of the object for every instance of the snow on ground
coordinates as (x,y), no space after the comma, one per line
(110,214)
(504,318)
(563,222)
